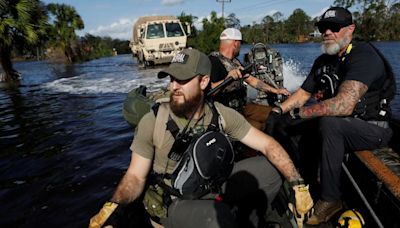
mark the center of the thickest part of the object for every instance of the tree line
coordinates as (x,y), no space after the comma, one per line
(376,20)
(30,28)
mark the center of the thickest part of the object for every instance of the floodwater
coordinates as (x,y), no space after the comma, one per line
(64,144)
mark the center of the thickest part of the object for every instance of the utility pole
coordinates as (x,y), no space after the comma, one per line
(223,4)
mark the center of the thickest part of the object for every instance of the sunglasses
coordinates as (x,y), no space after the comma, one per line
(333,27)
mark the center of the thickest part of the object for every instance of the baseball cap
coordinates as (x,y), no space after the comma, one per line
(231,34)
(336,15)
(187,64)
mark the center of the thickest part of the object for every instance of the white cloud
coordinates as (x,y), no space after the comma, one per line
(318,14)
(122,29)
(171,2)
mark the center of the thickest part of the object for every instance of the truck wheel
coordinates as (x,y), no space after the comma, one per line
(142,62)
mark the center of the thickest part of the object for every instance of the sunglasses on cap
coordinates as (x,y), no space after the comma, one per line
(331,26)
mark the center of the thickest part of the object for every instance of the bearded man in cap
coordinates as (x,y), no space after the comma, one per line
(347,95)
(253,181)
(224,65)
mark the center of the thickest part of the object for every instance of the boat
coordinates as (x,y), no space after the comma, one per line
(371,178)
(371,181)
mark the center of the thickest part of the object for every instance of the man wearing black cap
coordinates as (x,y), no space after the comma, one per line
(252,180)
(348,90)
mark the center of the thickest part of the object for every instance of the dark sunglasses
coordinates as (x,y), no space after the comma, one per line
(333,27)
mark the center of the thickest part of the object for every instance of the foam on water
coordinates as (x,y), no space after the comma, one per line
(292,75)
(118,82)
(123,82)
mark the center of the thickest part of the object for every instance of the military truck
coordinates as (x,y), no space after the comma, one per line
(156,39)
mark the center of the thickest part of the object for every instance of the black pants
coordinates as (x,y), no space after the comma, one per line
(248,192)
(325,140)
(340,135)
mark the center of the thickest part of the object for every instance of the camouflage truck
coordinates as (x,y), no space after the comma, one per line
(156,39)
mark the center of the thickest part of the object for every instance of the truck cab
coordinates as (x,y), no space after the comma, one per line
(156,39)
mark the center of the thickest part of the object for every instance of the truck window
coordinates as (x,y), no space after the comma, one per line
(155,31)
(173,29)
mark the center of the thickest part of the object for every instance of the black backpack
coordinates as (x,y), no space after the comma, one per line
(204,166)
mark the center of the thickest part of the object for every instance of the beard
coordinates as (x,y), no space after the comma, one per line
(188,106)
(334,48)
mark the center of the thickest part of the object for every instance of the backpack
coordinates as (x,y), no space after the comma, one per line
(205,161)
(204,166)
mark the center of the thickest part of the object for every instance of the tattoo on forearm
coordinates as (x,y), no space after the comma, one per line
(263,86)
(281,160)
(342,104)
(295,104)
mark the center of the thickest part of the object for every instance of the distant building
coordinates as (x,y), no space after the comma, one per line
(315,34)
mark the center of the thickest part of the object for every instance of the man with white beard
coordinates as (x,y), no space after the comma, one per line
(345,99)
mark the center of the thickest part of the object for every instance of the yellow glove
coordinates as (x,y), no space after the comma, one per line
(303,199)
(100,218)
(303,204)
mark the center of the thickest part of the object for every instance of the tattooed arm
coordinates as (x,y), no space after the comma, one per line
(296,100)
(342,104)
(273,151)
(262,86)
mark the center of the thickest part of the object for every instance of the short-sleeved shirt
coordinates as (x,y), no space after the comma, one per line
(218,70)
(362,64)
(235,126)
(234,94)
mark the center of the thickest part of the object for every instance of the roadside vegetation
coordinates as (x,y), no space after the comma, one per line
(29,29)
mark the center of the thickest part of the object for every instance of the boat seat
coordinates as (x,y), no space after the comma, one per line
(385,164)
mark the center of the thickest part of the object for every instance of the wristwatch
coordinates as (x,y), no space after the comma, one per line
(295,113)
(297,182)
(279,108)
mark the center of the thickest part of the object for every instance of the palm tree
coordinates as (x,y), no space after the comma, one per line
(22,23)
(66,21)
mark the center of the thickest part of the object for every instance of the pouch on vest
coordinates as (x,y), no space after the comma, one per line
(328,84)
(154,202)
(205,165)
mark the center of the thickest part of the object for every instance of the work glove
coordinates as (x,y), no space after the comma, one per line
(276,121)
(104,215)
(303,204)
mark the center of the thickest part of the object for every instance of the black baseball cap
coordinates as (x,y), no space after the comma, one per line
(187,64)
(336,15)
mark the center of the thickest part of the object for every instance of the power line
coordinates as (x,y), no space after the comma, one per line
(223,4)
(261,4)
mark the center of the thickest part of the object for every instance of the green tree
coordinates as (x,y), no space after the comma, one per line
(298,24)
(393,25)
(232,21)
(374,19)
(65,21)
(22,23)
(208,39)
(268,24)
(190,19)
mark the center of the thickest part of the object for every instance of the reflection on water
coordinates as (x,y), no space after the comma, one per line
(64,143)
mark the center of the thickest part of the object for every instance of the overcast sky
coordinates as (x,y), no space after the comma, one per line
(115,18)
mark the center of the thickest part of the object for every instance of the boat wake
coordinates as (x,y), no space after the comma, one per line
(125,81)
(293,77)
(116,82)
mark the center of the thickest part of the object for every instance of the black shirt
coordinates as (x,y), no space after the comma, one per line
(362,64)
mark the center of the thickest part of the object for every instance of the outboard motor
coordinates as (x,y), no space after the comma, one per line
(267,66)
